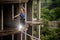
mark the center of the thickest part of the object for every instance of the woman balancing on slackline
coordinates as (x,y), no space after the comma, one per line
(22,15)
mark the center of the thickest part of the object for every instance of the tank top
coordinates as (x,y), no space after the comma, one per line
(22,15)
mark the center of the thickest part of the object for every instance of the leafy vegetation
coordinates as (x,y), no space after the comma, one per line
(50,11)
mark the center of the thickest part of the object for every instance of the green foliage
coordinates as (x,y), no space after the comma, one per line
(35,8)
(53,14)
(45,13)
(34,33)
(50,11)
(47,34)
(45,3)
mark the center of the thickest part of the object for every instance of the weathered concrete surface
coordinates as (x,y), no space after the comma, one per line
(13,1)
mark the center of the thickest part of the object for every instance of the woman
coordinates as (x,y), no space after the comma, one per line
(22,15)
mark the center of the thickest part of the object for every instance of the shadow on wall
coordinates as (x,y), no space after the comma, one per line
(8,22)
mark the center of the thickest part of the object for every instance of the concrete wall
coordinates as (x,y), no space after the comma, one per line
(8,22)
(13,1)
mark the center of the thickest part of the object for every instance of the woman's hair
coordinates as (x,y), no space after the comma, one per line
(22,8)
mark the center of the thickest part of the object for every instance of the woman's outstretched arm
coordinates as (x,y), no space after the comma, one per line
(16,16)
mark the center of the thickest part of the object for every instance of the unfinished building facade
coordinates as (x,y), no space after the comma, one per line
(9,28)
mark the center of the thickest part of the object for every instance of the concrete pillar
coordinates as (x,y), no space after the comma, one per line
(25,19)
(32,19)
(29,18)
(2,18)
(12,18)
(18,36)
(12,36)
(38,17)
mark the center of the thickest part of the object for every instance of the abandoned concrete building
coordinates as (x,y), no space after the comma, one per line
(9,28)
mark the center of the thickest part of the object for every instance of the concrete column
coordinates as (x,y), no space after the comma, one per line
(2,18)
(12,11)
(32,19)
(12,36)
(38,17)
(12,18)
(21,36)
(18,36)
(25,19)
(29,18)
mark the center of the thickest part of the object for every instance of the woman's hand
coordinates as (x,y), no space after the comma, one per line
(15,17)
